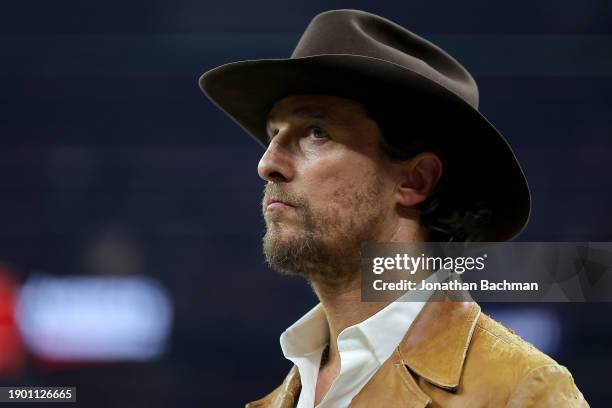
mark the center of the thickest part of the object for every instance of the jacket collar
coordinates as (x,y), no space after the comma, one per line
(434,347)
(436,343)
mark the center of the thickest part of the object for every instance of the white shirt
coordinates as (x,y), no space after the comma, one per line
(363,348)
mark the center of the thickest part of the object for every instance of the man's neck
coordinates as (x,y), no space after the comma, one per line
(341,300)
(343,308)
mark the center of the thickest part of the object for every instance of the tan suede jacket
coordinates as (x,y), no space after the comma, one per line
(455,356)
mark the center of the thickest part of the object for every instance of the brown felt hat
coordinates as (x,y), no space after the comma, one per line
(413,86)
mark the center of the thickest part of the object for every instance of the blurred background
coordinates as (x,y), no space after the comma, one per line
(130,220)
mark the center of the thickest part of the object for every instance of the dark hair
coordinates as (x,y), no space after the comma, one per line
(444,219)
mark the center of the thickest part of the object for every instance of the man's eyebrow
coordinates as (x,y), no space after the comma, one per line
(305,111)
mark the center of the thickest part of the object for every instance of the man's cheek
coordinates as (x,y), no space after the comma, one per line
(344,196)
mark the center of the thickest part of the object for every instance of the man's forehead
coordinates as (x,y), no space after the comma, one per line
(316,106)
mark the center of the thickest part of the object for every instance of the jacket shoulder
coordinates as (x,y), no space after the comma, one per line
(516,371)
(497,342)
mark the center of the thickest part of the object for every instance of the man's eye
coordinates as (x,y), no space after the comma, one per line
(318,133)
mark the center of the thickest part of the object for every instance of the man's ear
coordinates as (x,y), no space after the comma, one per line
(419,177)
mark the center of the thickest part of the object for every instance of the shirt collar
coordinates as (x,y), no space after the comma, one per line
(307,335)
(386,328)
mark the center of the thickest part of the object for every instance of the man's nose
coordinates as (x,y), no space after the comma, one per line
(276,163)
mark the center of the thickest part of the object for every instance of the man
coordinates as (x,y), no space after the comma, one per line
(373,134)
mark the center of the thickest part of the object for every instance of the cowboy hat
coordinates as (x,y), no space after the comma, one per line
(415,88)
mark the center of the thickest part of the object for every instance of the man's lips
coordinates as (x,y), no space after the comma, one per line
(274,204)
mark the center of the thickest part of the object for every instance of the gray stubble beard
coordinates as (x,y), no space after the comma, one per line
(324,250)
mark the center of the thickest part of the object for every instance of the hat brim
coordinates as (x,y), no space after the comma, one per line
(480,163)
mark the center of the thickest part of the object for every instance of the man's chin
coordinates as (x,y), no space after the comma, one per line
(280,240)
(287,250)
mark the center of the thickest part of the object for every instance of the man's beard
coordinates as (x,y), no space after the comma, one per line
(322,246)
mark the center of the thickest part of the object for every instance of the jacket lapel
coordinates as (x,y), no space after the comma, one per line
(285,396)
(436,343)
(434,348)
(392,386)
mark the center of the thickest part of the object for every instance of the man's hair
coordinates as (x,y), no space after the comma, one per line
(445,219)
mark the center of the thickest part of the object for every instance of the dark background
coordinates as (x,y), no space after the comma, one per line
(103,128)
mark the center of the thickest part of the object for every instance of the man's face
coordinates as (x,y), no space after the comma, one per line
(327,173)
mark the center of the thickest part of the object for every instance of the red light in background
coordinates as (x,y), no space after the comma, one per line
(12,357)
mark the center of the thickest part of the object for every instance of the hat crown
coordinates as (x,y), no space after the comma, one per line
(357,32)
